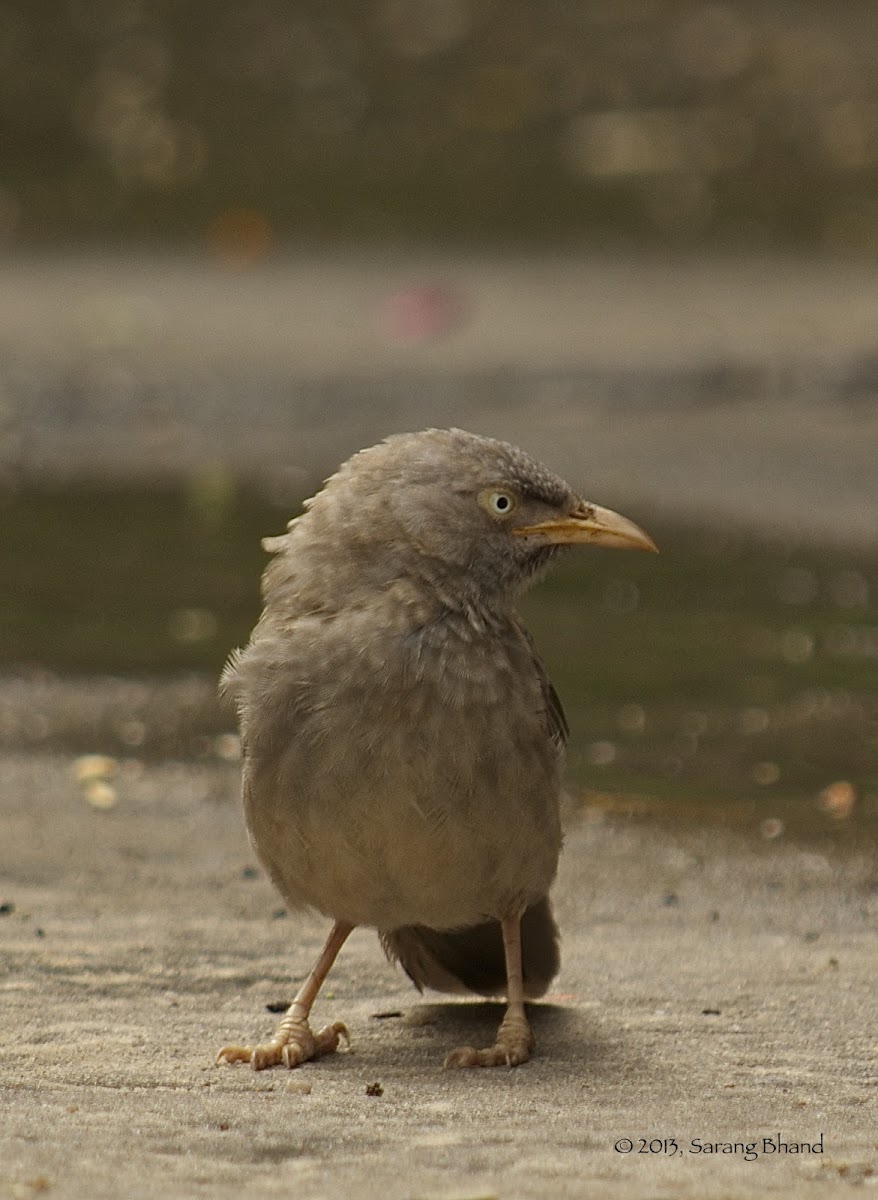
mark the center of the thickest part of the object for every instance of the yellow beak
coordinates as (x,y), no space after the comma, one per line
(590,524)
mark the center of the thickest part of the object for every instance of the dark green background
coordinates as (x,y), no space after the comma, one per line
(453,120)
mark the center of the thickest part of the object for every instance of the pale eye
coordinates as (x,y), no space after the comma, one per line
(498,503)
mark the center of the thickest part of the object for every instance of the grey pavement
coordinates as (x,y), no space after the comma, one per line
(715,990)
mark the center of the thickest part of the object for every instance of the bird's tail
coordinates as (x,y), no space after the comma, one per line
(471,960)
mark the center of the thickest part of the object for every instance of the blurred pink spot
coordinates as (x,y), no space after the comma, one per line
(421,312)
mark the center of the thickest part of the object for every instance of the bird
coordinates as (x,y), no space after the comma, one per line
(402,743)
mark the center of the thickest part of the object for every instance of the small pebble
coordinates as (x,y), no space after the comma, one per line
(90,767)
(298,1087)
(100,794)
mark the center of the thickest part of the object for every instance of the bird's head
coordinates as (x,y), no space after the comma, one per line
(471,514)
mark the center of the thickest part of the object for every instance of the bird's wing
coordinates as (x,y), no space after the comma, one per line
(554,709)
(556,718)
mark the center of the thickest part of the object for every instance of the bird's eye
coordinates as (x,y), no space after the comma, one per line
(498,503)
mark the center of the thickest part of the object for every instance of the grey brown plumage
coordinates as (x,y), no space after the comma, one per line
(403,744)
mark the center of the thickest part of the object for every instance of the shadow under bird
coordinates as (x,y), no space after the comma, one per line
(403,745)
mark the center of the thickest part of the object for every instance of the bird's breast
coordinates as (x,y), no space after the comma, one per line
(401,774)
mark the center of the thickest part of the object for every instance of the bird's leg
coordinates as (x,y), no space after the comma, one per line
(294,1042)
(514,1038)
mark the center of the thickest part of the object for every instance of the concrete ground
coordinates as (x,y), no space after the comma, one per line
(715,990)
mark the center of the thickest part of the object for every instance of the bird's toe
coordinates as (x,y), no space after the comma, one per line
(513,1047)
(233,1054)
(502,1054)
(293,1045)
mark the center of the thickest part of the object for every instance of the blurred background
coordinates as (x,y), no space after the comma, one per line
(653,122)
(638,238)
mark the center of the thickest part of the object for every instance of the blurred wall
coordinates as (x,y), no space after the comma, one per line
(528,120)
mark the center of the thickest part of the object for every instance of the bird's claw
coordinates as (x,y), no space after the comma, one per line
(290,1047)
(513,1047)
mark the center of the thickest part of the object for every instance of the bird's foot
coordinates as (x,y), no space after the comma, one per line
(513,1047)
(293,1044)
